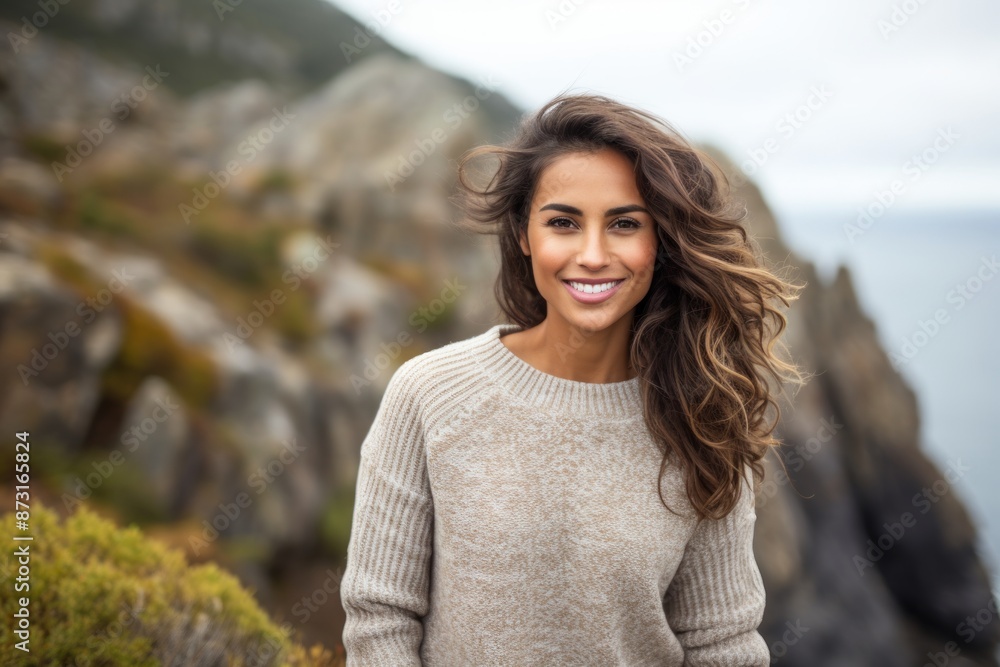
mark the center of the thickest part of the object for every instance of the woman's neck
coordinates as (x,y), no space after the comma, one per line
(567,351)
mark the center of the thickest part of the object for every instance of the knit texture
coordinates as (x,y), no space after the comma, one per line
(505,516)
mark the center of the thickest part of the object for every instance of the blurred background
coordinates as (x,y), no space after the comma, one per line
(224,224)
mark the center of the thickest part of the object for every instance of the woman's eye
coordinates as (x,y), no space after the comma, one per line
(632,224)
(629,223)
(554,222)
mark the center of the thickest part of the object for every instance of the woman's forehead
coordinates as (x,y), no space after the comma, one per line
(588,176)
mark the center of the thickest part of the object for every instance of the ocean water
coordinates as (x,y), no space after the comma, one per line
(930,282)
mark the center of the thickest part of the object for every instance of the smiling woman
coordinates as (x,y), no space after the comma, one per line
(510,503)
(591,241)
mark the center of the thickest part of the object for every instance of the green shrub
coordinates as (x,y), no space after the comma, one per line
(102,595)
(65,267)
(99,215)
(276,180)
(248,257)
(294,319)
(44,148)
(150,347)
(127,489)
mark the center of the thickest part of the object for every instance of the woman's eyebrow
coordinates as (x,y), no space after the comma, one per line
(618,210)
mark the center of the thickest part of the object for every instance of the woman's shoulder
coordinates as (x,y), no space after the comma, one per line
(466,349)
(442,369)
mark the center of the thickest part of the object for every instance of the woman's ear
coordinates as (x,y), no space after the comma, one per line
(523,240)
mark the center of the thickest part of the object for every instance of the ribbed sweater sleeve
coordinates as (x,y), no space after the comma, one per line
(715,602)
(385,587)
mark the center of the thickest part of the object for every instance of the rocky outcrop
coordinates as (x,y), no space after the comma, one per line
(252,446)
(868,556)
(51,372)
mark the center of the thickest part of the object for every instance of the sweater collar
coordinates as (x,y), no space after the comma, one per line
(535,387)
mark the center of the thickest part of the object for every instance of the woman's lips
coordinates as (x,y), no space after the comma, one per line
(593,297)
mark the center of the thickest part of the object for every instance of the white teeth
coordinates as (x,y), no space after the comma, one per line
(593,289)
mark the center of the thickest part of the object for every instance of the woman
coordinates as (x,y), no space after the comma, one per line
(510,503)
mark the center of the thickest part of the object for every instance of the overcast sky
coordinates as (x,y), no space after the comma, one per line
(891,87)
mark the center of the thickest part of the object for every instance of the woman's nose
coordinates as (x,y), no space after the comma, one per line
(594,249)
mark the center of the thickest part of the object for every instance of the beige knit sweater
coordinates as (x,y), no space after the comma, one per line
(505,516)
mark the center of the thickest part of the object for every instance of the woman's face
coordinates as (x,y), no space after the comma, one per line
(591,240)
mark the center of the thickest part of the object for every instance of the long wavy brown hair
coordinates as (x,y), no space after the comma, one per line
(705,339)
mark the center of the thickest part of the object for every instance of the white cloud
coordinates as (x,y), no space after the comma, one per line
(891,94)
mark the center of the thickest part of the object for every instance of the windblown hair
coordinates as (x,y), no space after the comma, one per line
(703,338)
